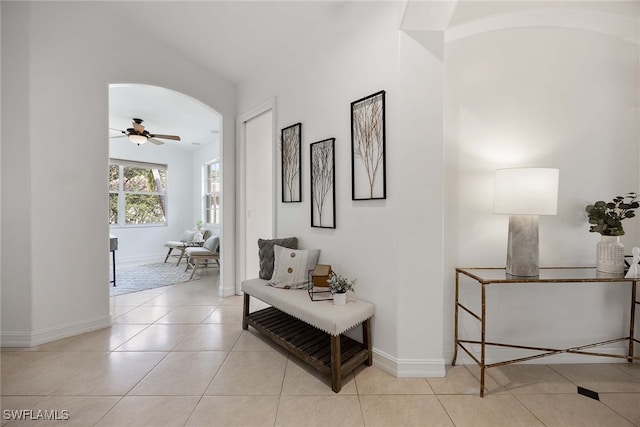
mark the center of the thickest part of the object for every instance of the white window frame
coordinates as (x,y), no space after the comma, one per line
(121,163)
(206,193)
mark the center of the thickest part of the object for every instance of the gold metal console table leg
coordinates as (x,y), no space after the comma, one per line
(483,339)
(455,341)
(632,336)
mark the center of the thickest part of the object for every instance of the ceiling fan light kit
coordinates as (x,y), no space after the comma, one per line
(138,139)
(139,135)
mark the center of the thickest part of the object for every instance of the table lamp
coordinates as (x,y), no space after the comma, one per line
(523,194)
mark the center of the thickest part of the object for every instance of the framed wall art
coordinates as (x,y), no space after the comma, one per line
(291,138)
(368,151)
(323,176)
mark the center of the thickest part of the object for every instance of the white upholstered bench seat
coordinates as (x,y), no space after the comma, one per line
(312,330)
(332,319)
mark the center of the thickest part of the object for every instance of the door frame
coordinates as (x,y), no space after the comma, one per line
(241,121)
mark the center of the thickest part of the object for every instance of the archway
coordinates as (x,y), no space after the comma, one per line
(187,194)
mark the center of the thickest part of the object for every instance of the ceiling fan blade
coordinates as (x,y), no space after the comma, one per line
(118,136)
(155,141)
(173,137)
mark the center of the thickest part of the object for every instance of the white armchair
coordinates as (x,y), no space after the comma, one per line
(210,250)
(185,241)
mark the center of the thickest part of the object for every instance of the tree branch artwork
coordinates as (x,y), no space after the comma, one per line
(368,147)
(291,138)
(323,210)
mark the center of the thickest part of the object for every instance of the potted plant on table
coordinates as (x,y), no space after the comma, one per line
(198,237)
(606,219)
(339,285)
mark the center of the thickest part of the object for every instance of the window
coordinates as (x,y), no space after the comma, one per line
(212,192)
(137,193)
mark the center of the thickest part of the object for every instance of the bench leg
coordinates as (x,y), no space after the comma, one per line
(168,253)
(366,340)
(245,311)
(336,362)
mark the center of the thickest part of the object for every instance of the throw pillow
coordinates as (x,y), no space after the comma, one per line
(212,243)
(291,267)
(187,236)
(265,253)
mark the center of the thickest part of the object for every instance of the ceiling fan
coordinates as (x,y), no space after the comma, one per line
(139,135)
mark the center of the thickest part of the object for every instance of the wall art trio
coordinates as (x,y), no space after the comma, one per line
(368,161)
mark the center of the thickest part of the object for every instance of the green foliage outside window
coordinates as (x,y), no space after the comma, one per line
(137,193)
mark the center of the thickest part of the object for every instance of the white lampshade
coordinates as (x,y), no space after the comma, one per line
(138,139)
(526,191)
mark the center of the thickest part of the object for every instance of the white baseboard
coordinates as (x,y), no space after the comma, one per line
(409,368)
(227,292)
(143,259)
(30,339)
(496,355)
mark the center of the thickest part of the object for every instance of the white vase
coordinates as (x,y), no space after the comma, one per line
(340,299)
(610,255)
(197,236)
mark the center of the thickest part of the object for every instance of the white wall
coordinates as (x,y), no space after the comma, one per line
(56,77)
(393,246)
(541,97)
(258,184)
(548,97)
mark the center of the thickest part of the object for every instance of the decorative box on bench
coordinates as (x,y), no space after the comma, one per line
(313,331)
(317,286)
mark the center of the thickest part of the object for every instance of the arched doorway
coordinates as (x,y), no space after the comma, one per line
(191,188)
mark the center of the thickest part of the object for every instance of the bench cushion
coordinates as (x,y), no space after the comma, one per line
(200,252)
(175,244)
(332,319)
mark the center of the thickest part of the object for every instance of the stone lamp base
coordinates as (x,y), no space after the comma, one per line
(522,247)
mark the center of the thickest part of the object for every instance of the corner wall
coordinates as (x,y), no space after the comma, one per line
(393,247)
(540,97)
(54,279)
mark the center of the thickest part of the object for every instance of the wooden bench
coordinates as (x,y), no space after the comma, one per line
(311,330)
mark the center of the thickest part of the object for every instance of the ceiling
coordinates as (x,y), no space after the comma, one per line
(234,39)
(239,39)
(163,111)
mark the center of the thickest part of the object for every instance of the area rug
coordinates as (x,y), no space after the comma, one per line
(135,278)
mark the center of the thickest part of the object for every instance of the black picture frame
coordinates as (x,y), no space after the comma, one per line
(291,163)
(368,148)
(323,178)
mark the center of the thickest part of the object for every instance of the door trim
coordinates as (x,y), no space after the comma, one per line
(241,121)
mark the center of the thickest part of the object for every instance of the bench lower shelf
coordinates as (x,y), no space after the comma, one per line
(335,355)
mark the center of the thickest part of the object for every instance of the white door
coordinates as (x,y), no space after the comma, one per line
(259,195)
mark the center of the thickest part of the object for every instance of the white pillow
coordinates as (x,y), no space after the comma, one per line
(187,236)
(291,267)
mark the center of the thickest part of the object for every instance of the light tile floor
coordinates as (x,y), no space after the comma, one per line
(177,356)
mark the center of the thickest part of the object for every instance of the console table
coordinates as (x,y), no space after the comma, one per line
(496,276)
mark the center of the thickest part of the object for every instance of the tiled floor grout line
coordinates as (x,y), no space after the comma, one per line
(511,388)
(127,394)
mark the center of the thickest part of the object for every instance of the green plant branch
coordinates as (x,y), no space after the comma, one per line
(606,218)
